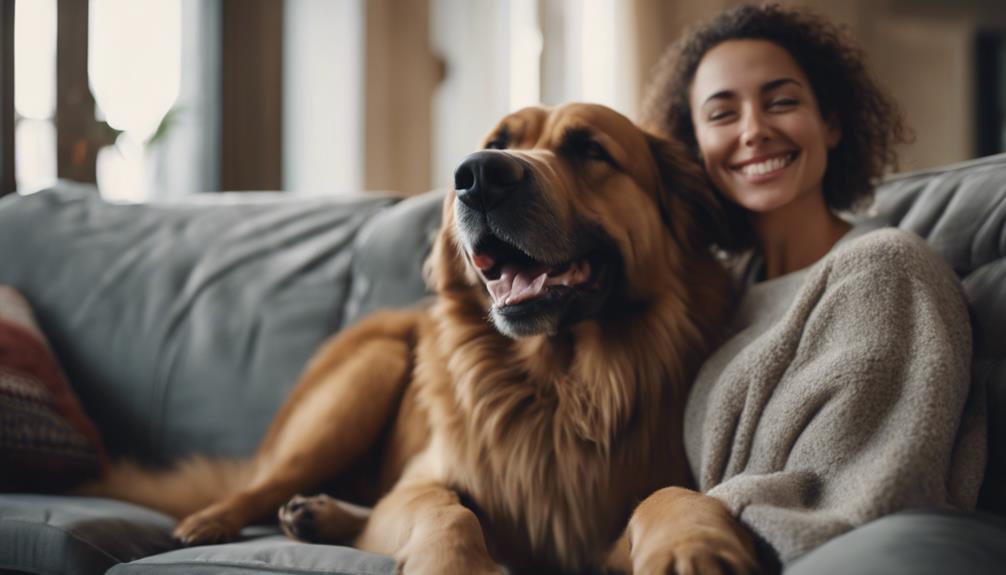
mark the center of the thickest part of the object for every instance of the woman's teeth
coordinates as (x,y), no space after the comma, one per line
(768,166)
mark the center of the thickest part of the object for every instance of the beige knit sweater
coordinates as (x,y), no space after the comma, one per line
(842,395)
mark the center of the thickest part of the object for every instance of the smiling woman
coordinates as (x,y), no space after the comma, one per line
(765,143)
(831,69)
(842,392)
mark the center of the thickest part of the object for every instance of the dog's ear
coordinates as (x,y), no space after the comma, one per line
(710,220)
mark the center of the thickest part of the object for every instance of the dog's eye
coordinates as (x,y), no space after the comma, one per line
(580,146)
(496,144)
(499,141)
(595,151)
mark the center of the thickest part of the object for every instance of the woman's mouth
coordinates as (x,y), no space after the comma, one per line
(766,168)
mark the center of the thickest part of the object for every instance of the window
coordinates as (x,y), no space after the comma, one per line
(134,71)
(35,94)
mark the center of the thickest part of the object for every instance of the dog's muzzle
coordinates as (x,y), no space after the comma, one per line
(538,273)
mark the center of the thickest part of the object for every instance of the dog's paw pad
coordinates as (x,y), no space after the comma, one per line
(297,519)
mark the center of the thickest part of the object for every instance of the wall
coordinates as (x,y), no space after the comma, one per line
(323,96)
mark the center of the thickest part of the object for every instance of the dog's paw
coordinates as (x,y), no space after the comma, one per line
(205,529)
(683,532)
(320,519)
(297,519)
(695,558)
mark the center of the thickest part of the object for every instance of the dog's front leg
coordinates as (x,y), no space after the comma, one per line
(423,525)
(677,530)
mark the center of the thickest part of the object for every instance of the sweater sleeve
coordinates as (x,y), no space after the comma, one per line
(852,402)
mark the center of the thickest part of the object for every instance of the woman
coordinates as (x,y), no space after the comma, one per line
(840,392)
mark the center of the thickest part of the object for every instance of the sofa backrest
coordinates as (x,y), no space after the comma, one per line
(961,212)
(182,326)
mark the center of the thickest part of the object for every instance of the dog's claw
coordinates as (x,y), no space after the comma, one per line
(201,530)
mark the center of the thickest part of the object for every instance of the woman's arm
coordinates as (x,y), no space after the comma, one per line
(849,407)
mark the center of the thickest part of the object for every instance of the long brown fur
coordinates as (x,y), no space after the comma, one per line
(534,452)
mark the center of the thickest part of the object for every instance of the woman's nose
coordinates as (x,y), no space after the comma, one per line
(754,130)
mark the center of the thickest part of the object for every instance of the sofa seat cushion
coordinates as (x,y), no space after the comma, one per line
(271,554)
(917,542)
(77,535)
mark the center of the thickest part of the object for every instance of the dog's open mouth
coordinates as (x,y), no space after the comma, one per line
(512,277)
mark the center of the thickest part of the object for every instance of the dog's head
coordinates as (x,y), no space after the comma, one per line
(569,213)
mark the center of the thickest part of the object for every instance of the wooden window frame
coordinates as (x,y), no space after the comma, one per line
(8,181)
(251,111)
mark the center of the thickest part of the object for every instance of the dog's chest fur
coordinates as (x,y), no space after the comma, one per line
(548,456)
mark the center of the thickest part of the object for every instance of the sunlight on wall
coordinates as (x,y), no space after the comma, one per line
(598,51)
(323,79)
(525,54)
(35,93)
(134,68)
(503,55)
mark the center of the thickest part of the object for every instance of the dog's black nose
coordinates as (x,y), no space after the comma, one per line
(486,178)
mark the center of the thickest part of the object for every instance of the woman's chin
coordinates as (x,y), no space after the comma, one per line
(764,201)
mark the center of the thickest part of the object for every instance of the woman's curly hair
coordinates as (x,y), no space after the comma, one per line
(870,121)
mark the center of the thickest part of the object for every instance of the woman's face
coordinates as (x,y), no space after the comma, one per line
(759,130)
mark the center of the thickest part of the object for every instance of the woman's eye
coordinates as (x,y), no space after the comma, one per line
(718,115)
(784,103)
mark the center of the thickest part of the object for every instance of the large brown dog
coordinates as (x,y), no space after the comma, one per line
(533,413)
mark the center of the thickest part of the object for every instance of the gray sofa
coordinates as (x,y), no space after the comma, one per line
(182,325)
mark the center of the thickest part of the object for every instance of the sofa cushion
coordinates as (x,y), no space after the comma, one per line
(53,535)
(961,212)
(918,542)
(182,324)
(275,554)
(46,439)
(389,253)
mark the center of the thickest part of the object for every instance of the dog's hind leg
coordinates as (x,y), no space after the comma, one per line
(346,398)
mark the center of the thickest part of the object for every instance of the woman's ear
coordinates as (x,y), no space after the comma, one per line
(834,131)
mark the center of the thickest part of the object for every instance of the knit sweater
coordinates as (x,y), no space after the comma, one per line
(842,395)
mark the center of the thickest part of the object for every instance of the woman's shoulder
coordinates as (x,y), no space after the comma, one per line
(884,254)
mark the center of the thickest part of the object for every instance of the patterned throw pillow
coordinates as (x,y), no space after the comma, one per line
(46,440)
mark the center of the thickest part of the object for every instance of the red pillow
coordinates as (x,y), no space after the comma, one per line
(46,440)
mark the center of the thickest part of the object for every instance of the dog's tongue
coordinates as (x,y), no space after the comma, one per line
(516,285)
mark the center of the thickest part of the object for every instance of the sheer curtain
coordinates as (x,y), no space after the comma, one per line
(153,68)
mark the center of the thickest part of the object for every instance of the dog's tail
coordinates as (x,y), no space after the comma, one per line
(188,486)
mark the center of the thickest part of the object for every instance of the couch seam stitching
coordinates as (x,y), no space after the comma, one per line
(67,532)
